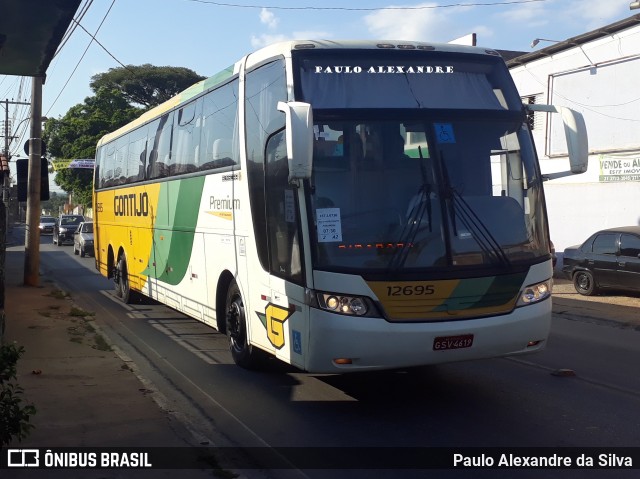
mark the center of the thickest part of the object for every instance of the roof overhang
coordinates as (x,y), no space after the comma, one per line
(30,33)
(576,41)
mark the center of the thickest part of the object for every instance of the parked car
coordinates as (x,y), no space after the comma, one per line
(554,256)
(83,239)
(64,228)
(46,225)
(609,259)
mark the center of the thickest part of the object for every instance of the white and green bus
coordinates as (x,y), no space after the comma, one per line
(340,206)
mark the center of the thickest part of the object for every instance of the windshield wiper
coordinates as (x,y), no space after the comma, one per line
(459,208)
(420,206)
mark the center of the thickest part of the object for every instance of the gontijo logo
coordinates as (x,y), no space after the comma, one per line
(131,204)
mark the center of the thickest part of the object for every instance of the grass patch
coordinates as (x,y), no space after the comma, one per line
(58,294)
(101,343)
(79,313)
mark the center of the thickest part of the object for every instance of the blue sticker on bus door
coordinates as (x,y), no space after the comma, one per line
(444,133)
(297,342)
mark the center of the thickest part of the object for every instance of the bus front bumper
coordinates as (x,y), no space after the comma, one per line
(340,344)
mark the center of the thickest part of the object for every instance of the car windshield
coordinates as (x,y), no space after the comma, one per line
(47,220)
(87,228)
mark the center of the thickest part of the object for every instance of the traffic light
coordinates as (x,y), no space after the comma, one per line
(4,165)
(22,170)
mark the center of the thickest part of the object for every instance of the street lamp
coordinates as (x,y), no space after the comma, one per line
(538,40)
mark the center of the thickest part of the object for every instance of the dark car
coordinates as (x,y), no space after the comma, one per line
(609,259)
(46,225)
(65,227)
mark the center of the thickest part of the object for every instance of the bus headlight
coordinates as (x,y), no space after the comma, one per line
(343,304)
(535,293)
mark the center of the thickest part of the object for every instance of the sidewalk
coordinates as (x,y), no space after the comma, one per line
(84,393)
(621,310)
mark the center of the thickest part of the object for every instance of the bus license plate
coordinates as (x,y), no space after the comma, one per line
(453,342)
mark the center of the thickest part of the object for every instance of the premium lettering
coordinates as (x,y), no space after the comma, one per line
(131,204)
(224,203)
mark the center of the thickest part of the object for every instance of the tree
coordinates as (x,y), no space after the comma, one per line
(146,85)
(15,413)
(76,135)
(55,203)
(121,95)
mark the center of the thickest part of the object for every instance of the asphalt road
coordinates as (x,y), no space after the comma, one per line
(582,391)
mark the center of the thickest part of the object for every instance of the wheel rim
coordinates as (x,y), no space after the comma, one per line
(584,282)
(235,325)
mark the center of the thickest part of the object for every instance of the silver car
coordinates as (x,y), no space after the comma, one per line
(83,239)
(46,225)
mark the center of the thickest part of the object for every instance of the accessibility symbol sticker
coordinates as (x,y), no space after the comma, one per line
(444,133)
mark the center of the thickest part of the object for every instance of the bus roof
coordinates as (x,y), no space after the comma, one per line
(284,49)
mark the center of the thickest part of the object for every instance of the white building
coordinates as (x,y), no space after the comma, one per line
(598,74)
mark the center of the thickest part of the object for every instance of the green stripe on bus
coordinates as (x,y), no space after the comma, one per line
(178,205)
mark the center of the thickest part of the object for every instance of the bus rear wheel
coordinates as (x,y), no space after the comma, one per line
(121,282)
(243,353)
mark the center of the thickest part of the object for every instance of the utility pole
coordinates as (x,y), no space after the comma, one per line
(8,138)
(32,232)
(7,130)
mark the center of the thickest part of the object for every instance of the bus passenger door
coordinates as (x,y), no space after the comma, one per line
(287,328)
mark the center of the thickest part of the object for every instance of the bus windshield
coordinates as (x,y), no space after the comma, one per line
(423,162)
(402,195)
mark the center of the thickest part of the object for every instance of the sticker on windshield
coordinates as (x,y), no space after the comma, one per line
(329,225)
(444,132)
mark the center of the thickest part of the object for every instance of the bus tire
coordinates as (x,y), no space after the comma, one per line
(243,353)
(121,281)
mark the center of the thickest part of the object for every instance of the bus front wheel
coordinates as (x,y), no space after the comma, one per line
(243,353)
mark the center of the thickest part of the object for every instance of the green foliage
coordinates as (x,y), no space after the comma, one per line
(14,412)
(117,92)
(54,203)
(77,181)
(146,85)
(76,135)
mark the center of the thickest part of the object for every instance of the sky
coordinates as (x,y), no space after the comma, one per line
(207,36)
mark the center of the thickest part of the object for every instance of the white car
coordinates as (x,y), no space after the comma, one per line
(83,239)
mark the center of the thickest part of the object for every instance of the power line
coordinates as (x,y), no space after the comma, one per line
(70,31)
(370,9)
(104,48)
(82,57)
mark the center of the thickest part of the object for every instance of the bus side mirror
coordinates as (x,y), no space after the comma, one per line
(299,138)
(575,132)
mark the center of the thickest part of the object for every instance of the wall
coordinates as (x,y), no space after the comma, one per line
(600,80)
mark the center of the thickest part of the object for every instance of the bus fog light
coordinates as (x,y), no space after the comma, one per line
(358,306)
